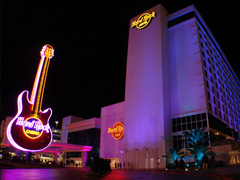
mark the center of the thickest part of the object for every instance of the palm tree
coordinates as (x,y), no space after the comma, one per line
(196,136)
(173,154)
(199,140)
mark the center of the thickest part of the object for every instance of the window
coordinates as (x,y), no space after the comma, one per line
(184,127)
(212,89)
(204,123)
(194,125)
(209,95)
(199,124)
(204,116)
(174,121)
(183,119)
(199,117)
(206,74)
(203,53)
(210,107)
(179,128)
(180,19)
(207,84)
(189,122)
(179,120)
(180,142)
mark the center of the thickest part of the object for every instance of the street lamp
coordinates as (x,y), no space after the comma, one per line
(137,164)
(146,156)
(56,122)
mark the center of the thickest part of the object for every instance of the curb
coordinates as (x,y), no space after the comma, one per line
(185,173)
(199,174)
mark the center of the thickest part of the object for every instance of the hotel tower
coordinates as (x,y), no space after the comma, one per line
(177,79)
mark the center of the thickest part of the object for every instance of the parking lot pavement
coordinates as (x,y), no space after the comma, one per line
(156,175)
(79,173)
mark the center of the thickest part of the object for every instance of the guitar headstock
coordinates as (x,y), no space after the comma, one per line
(47,51)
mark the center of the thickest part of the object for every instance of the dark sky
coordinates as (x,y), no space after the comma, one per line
(90,41)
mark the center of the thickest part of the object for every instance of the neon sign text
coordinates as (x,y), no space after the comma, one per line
(117,130)
(36,125)
(32,132)
(143,20)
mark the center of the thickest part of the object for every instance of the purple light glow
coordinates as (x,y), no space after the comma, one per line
(85,148)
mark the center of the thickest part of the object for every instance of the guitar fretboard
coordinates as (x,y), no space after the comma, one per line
(40,79)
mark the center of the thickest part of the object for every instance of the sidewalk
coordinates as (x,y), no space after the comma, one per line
(232,171)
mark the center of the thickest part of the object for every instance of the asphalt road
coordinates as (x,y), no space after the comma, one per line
(79,173)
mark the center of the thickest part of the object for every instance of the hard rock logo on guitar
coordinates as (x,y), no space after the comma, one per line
(29,130)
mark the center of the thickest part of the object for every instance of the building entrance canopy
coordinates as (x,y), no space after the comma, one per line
(58,147)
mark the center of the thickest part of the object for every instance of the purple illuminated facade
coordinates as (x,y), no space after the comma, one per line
(177,79)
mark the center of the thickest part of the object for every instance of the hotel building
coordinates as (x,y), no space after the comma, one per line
(177,79)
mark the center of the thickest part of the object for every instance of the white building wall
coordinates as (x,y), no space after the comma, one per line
(74,124)
(64,135)
(109,147)
(147,111)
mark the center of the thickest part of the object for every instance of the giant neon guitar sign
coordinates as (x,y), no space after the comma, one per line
(29,130)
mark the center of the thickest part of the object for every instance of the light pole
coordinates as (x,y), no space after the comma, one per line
(146,161)
(169,142)
(137,158)
(125,163)
(56,122)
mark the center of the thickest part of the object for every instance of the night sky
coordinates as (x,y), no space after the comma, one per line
(90,41)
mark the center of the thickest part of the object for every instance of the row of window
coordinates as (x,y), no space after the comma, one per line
(188,119)
(222,88)
(195,121)
(225,89)
(180,142)
(180,19)
(217,60)
(90,137)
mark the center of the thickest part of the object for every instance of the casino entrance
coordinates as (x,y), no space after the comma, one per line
(115,164)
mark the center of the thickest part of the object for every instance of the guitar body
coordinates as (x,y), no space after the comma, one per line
(29,132)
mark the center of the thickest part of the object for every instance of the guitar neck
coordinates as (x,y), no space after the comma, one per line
(39,84)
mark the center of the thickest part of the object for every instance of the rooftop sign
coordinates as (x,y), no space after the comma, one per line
(143,20)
